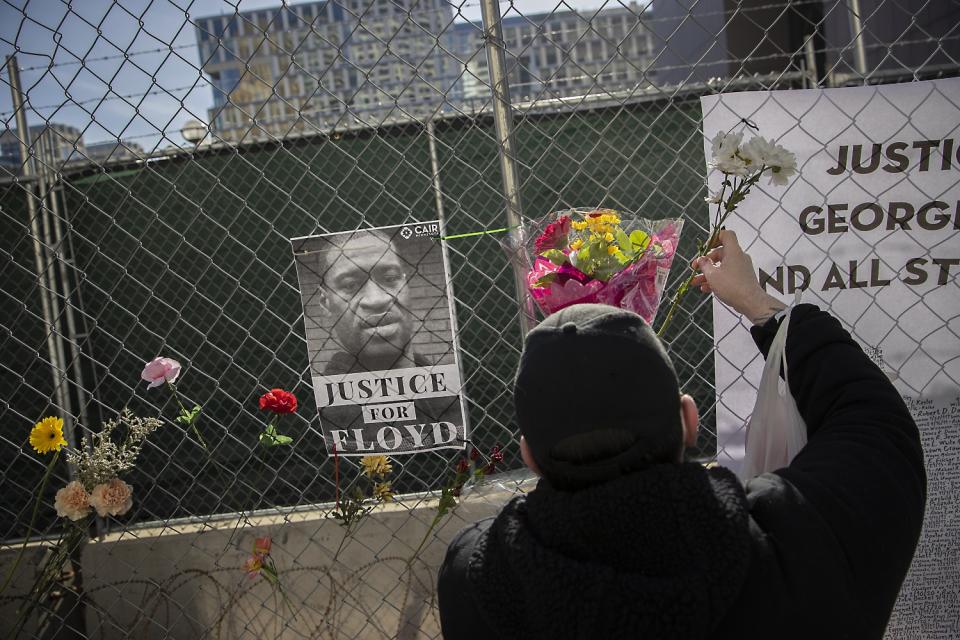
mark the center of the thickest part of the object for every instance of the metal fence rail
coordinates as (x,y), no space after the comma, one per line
(324,117)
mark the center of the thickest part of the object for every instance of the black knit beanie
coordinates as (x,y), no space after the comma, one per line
(596,396)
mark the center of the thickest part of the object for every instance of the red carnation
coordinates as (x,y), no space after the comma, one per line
(554,236)
(278,401)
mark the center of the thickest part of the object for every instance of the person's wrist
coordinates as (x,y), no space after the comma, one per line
(761,307)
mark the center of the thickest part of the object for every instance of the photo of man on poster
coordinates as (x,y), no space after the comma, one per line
(364,292)
(377,318)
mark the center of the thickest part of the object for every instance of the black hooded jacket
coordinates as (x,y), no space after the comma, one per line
(816,550)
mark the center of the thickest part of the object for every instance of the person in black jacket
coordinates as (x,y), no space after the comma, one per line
(622,539)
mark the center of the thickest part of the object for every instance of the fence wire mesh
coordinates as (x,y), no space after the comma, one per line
(173,151)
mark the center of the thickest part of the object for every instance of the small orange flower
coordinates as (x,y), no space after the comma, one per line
(253,565)
(261,546)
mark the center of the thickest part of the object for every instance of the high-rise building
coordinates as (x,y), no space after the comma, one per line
(701,39)
(307,67)
(561,54)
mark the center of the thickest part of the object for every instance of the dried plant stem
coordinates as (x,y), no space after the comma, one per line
(33,520)
(66,545)
(426,536)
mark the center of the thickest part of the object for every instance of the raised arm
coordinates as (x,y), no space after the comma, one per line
(862,470)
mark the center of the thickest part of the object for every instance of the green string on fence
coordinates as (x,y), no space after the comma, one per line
(475,233)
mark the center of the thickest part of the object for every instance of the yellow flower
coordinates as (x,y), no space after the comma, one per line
(375,465)
(612,249)
(599,227)
(47,435)
(608,236)
(576,244)
(579,226)
(383,491)
(611,219)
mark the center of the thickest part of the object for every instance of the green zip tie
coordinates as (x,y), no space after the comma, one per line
(476,233)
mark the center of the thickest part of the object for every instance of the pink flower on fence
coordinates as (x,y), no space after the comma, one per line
(72,502)
(114,498)
(159,371)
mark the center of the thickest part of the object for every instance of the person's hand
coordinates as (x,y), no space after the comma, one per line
(727,272)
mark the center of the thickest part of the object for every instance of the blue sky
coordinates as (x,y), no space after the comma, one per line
(148,95)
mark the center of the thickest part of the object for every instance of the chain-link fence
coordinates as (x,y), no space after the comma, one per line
(172,238)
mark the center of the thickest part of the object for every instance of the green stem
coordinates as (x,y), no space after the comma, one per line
(343,540)
(286,600)
(183,411)
(426,536)
(33,521)
(736,190)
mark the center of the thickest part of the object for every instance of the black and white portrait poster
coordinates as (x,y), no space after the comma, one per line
(379,324)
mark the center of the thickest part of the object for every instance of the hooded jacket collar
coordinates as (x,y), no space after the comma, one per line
(661,553)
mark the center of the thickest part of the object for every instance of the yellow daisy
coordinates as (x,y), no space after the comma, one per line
(375,465)
(612,249)
(608,236)
(576,244)
(47,435)
(383,491)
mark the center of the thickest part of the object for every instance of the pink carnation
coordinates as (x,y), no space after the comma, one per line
(554,236)
(160,370)
(72,502)
(112,498)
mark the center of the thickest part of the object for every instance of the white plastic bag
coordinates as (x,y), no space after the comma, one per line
(776,432)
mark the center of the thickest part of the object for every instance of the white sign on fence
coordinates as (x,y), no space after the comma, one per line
(870,229)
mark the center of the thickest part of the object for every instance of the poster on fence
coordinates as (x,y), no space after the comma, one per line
(379,324)
(869,229)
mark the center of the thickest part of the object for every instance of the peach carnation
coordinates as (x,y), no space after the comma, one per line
(114,498)
(72,501)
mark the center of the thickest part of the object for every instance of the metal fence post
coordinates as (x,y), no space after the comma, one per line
(43,284)
(503,122)
(57,245)
(856,32)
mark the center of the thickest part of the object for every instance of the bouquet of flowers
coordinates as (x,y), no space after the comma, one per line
(99,462)
(600,256)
